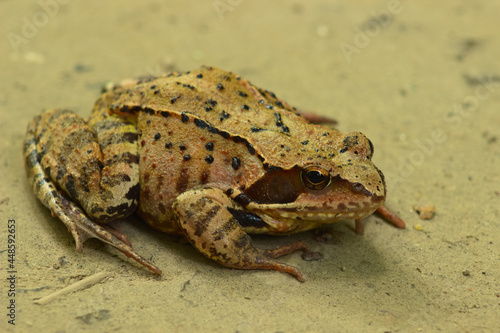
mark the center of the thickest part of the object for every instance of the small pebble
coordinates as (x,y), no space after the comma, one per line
(425,212)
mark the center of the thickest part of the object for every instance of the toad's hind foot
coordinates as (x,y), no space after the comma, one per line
(83,228)
(78,223)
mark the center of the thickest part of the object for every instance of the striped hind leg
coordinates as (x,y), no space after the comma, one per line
(69,171)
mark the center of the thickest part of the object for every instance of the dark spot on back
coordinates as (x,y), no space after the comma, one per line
(209,159)
(235,163)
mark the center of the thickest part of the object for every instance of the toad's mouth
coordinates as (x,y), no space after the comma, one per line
(324,214)
(329,216)
(279,221)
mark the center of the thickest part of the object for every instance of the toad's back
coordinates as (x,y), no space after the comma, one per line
(210,127)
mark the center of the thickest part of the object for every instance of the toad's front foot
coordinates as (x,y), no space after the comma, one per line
(209,226)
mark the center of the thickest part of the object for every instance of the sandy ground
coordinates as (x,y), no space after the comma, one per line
(421,79)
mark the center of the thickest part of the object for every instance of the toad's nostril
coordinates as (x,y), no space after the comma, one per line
(372,150)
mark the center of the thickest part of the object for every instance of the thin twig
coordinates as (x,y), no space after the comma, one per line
(82,284)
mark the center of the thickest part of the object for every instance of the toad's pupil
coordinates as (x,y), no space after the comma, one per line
(315,177)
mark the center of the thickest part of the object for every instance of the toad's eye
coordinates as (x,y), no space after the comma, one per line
(315,178)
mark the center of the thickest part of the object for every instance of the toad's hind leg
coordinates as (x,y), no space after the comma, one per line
(68,170)
(209,226)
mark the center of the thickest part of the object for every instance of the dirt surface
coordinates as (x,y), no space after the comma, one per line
(421,79)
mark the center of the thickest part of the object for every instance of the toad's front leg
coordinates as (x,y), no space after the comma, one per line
(204,216)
